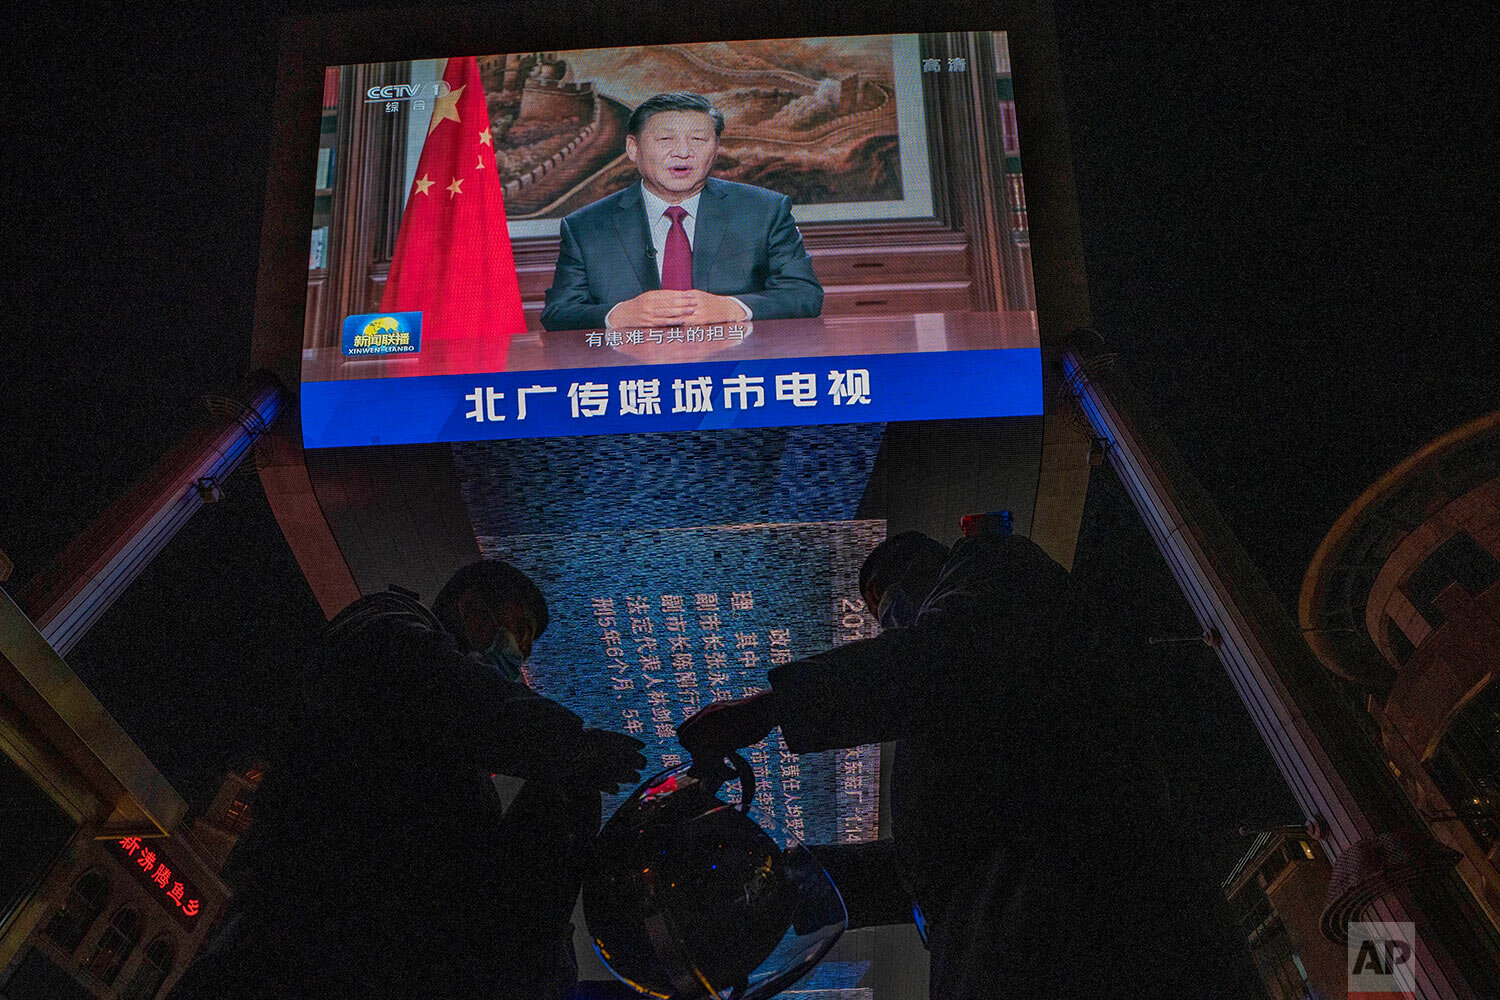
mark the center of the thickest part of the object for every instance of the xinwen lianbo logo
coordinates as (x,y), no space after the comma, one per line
(374,334)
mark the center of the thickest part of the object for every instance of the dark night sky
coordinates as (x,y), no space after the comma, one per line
(1285,213)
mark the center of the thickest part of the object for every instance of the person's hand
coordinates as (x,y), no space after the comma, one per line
(725,726)
(714,310)
(604,760)
(658,307)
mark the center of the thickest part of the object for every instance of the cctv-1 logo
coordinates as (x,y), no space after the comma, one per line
(407,91)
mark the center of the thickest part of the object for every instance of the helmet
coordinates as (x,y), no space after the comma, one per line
(690,898)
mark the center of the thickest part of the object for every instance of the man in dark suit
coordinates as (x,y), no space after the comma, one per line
(680,248)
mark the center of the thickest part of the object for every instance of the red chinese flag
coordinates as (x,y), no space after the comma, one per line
(453,261)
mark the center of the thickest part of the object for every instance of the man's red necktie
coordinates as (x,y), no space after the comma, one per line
(677,261)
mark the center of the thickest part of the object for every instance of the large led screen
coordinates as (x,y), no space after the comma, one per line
(679,569)
(543,244)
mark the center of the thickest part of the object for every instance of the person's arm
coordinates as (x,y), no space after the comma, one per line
(508,727)
(998,613)
(856,694)
(989,625)
(520,732)
(868,691)
(570,305)
(503,725)
(528,736)
(792,288)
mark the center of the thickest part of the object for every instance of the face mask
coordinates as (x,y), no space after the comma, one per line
(505,655)
(896,609)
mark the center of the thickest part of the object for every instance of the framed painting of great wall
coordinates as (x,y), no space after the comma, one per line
(836,124)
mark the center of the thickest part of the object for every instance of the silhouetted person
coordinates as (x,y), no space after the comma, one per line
(380,862)
(1018,808)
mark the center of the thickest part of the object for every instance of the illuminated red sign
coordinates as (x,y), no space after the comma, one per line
(165,885)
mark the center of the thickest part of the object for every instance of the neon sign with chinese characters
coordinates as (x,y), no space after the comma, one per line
(161,880)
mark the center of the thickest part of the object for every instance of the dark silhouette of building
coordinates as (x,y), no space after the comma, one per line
(1402,602)
(1276,893)
(218,828)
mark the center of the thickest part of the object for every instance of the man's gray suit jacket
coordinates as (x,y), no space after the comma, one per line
(744,244)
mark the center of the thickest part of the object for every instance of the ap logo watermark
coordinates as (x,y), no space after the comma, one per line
(1382,960)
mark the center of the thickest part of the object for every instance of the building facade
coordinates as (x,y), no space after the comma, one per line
(121,918)
(1276,893)
(108,929)
(108,891)
(1402,602)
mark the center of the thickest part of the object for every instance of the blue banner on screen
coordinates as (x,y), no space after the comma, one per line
(772,392)
(376,334)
